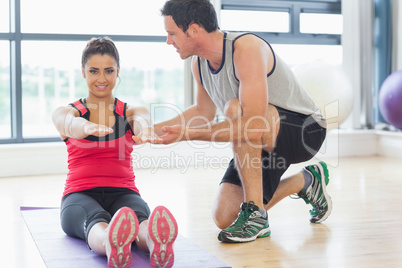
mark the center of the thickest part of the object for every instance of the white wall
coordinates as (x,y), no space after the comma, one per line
(51,158)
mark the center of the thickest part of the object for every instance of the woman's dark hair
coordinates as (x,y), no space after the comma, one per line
(186,12)
(102,45)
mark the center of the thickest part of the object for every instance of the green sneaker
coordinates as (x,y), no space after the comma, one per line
(316,194)
(248,226)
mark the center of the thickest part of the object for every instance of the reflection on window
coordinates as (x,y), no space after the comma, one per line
(5,119)
(4,16)
(51,76)
(321,23)
(120,17)
(254,21)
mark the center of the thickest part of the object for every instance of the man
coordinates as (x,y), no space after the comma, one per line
(269,118)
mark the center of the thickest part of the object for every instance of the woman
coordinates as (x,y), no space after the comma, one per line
(101,203)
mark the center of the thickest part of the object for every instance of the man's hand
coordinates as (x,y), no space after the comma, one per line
(174,134)
(147,135)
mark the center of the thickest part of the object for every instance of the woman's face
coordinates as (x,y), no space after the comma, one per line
(101,73)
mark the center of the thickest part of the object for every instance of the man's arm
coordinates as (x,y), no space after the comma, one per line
(251,66)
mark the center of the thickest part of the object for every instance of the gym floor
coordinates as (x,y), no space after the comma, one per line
(363,230)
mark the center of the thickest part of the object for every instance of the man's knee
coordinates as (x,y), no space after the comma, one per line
(233,109)
(227,205)
(221,219)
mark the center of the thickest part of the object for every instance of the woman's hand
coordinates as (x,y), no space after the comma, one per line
(97,130)
(147,134)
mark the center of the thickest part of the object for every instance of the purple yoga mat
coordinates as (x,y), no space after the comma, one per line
(58,250)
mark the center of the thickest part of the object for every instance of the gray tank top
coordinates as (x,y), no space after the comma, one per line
(284,90)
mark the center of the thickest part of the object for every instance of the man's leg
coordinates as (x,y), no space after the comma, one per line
(248,164)
(252,221)
(230,196)
(304,137)
(288,186)
(312,190)
(248,156)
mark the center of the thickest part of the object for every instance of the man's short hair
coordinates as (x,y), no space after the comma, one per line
(187,12)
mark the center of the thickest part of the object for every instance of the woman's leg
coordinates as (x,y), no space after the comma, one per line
(80,213)
(97,236)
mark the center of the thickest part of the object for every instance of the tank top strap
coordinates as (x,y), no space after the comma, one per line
(120,108)
(79,105)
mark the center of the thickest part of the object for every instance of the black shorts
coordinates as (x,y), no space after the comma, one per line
(80,211)
(300,137)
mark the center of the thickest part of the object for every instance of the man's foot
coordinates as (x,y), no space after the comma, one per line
(316,194)
(122,230)
(162,232)
(249,225)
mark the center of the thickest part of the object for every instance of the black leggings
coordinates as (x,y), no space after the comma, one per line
(80,211)
(300,137)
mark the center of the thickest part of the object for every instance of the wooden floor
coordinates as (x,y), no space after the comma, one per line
(364,229)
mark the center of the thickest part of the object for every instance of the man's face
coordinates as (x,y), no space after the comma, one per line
(177,38)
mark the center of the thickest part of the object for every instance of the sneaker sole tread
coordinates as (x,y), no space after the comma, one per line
(123,230)
(162,254)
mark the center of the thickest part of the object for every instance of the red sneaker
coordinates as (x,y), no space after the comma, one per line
(122,230)
(162,232)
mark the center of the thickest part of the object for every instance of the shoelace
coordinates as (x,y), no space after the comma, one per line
(298,196)
(244,214)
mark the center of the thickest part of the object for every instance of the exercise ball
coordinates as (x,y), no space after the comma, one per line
(330,89)
(390,99)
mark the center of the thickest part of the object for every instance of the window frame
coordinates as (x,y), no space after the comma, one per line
(294,8)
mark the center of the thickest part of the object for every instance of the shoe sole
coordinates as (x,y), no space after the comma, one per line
(123,230)
(163,232)
(324,172)
(261,234)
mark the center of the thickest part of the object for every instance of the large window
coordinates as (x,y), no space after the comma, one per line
(41,43)
(40,61)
